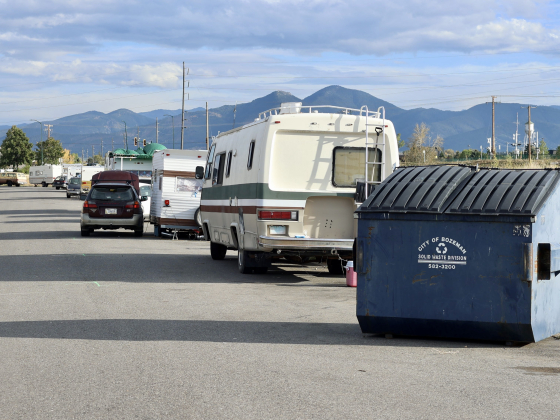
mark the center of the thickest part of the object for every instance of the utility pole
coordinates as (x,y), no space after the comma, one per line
(125,136)
(207,135)
(138,130)
(101,147)
(183,107)
(112,145)
(42,144)
(529,134)
(49,127)
(173,127)
(82,155)
(157,131)
(493,145)
(92,154)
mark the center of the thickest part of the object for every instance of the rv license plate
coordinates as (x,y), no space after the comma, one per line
(277,230)
(110,211)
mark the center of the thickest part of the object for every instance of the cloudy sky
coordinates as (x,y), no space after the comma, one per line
(63,57)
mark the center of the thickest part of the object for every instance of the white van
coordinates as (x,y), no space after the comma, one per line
(175,201)
(285,184)
(44,174)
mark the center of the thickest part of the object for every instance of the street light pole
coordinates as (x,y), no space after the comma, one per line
(173,125)
(42,145)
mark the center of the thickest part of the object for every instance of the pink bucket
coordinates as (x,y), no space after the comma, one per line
(351,275)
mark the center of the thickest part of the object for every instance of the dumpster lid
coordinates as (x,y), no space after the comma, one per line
(462,190)
(420,189)
(505,191)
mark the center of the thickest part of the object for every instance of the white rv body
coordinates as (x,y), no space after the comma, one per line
(44,174)
(71,170)
(86,173)
(291,199)
(173,179)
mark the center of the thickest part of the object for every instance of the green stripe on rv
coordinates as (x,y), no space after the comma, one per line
(260,191)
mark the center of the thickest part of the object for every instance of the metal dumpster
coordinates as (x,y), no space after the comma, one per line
(451,251)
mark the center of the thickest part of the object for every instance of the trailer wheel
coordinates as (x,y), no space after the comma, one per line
(44,184)
(336,266)
(217,251)
(9,183)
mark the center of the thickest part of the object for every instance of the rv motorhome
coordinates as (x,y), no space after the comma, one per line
(288,183)
(175,200)
(44,174)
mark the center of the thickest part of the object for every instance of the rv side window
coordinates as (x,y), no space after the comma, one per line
(228,163)
(218,171)
(251,153)
(209,161)
(349,165)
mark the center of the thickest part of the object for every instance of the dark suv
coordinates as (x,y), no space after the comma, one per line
(60,182)
(112,206)
(73,187)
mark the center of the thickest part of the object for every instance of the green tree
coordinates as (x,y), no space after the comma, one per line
(16,149)
(400,142)
(543,149)
(51,149)
(557,152)
(421,147)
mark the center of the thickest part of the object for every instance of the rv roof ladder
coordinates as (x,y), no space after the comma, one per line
(378,130)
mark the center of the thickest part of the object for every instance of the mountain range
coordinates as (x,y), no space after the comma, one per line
(460,129)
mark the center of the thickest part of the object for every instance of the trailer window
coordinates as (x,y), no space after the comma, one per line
(251,153)
(228,164)
(218,171)
(209,161)
(349,165)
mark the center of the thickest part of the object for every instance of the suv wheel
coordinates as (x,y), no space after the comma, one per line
(139,232)
(85,232)
(58,188)
(217,251)
(67,195)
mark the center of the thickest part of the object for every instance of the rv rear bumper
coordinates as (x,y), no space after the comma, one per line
(305,244)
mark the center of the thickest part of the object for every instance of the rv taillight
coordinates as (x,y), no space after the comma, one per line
(276,122)
(166,202)
(278,215)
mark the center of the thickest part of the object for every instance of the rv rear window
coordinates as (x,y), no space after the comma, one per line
(349,165)
(218,171)
(251,153)
(228,163)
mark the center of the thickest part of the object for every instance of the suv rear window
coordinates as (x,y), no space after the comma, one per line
(76,181)
(112,194)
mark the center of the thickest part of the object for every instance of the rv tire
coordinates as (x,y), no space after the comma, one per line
(217,251)
(139,232)
(261,270)
(44,184)
(242,262)
(198,217)
(336,267)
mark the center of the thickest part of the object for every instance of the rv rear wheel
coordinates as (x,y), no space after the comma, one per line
(44,184)
(198,217)
(217,251)
(242,262)
(336,266)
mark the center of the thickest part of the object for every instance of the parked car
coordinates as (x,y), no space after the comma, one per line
(14,178)
(112,206)
(146,195)
(60,182)
(73,187)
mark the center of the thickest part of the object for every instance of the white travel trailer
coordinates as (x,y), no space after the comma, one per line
(86,173)
(71,170)
(175,203)
(44,175)
(288,183)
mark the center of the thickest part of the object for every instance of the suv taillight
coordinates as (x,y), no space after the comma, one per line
(278,215)
(89,205)
(133,205)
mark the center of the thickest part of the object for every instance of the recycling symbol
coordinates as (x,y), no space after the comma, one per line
(441,248)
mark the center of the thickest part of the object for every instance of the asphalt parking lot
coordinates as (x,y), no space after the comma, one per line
(117,327)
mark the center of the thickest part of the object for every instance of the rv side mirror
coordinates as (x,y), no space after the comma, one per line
(199,172)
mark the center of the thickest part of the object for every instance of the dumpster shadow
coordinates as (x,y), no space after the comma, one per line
(250,332)
(438,342)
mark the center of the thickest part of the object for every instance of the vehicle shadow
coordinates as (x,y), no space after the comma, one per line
(133,268)
(253,332)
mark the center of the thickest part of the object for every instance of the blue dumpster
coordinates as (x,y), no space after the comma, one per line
(457,252)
